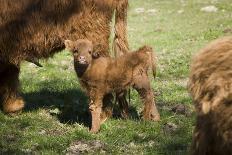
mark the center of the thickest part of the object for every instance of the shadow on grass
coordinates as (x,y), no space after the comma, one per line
(11,151)
(69,106)
(172,143)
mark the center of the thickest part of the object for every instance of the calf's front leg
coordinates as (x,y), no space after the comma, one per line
(95,108)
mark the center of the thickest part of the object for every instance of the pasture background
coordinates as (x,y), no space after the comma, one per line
(55,120)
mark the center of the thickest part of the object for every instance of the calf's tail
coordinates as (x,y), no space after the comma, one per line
(153,63)
(152,58)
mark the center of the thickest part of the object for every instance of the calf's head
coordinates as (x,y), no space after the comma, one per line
(82,51)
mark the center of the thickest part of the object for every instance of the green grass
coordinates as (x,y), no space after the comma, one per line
(56,113)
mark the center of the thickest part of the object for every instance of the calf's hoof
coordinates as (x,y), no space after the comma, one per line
(103,118)
(106,113)
(152,117)
(125,115)
(155,118)
(13,106)
(92,130)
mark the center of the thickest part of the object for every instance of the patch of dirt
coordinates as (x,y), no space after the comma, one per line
(170,127)
(228,31)
(151,11)
(30,150)
(181,109)
(88,147)
(143,10)
(139,10)
(180,11)
(210,8)
(10,138)
(177,108)
(158,30)
(53,132)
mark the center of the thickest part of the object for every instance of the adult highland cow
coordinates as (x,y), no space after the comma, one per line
(211,88)
(34,29)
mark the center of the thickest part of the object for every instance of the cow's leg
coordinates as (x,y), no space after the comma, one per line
(123,104)
(10,100)
(202,136)
(143,86)
(107,109)
(95,108)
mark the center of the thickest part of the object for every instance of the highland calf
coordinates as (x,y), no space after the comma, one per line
(210,85)
(100,76)
(34,29)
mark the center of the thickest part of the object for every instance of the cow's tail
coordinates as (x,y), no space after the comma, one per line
(120,43)
(153,61)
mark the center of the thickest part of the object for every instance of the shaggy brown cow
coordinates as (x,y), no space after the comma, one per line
(33,29)
(211,88)
(100,76)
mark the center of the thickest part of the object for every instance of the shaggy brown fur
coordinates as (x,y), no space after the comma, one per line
(211,88)
(100,76)
(37,28)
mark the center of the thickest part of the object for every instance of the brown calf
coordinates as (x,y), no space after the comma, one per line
(100,76)
(210,85)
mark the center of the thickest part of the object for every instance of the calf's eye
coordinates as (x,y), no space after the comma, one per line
(75,53)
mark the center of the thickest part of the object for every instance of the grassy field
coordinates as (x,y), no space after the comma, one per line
(55,120)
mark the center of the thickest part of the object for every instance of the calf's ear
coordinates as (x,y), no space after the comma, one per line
(95,54)
(97,47)
(68,45)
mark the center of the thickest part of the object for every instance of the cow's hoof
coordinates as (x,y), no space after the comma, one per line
(13,106)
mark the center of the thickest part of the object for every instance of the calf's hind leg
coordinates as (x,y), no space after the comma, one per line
(143,87)
(107,109)
(10,100)
(123,104)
